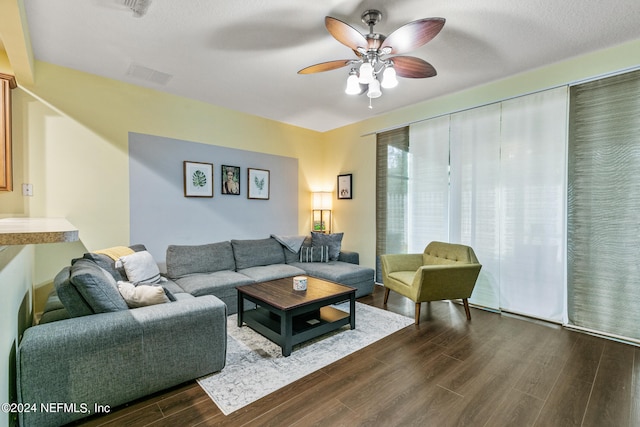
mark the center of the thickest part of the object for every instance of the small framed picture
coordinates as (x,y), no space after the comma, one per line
(198,179)
(258,184)
(345,186)
(231,180)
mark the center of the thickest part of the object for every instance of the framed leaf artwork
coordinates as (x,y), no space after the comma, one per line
(258,184)
(198,179)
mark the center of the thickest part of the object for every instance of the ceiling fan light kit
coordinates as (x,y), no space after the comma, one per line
(372,50)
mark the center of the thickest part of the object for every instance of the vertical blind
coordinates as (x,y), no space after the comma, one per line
(391,191)
(604,206)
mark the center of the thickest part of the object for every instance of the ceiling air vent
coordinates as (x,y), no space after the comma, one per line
(139,7)
(148,74)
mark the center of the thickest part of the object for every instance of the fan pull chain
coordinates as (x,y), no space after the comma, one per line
(370,106)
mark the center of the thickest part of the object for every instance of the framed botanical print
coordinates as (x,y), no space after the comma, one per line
(231,180)
(198,179)
(258,184)
(345,186)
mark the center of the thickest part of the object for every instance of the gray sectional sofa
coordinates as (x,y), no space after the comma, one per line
(217,268)
(90,351)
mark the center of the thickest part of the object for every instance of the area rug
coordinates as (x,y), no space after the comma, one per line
(255,366)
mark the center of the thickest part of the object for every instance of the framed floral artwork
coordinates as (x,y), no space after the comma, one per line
(198,179)
(258,184)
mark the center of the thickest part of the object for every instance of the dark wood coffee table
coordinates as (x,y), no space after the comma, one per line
(289,317)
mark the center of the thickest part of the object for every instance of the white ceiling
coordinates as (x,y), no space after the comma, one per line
(244,55)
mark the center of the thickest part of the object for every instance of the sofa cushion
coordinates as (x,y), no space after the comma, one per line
(334,241)
(53,309)
(97,287)
(264,273)
(171,286)
(72,300)
(183,259)
(337,271)
(140,267)
(213,283)
(252,253)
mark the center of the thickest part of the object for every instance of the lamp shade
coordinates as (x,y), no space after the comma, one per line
(366,73)
(389,79)
(353,86)
(374,89)
(321,201)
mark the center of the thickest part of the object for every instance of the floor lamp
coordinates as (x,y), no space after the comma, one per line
(321,211)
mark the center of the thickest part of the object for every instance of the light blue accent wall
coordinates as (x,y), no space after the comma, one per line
(161,215)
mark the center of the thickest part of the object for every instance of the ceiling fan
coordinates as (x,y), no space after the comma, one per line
(373,50)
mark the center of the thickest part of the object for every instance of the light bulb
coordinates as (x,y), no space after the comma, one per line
(353,86)
(366,73)
(374,89)
(389,79)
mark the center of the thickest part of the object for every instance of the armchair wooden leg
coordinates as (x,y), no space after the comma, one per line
(386,295)
(417,313)
(465,302)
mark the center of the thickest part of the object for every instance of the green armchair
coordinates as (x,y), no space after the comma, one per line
(442,271)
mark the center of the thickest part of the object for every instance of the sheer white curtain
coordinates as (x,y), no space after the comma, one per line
(493,178)
(475,194)
(533,205)
(428,192)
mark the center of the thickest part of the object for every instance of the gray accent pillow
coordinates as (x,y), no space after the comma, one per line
(107,263)
(209,258)
(314,254)
(97,287)
(253,253)
(334,241)
(69,296)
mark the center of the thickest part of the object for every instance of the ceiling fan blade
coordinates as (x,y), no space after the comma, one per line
(325,66)
(345,33)
(412,67)
(413,35)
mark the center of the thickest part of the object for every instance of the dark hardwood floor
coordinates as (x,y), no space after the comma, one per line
(496,370)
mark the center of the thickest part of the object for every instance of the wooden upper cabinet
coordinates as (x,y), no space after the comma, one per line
(6,176)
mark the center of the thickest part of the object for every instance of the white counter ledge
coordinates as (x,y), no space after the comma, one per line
(27,231)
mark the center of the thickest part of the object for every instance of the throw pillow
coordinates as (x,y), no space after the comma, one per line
(142,295)
(140,267)
(97,287)
(72,300)
(107,263)
(334,241)
(317,254)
